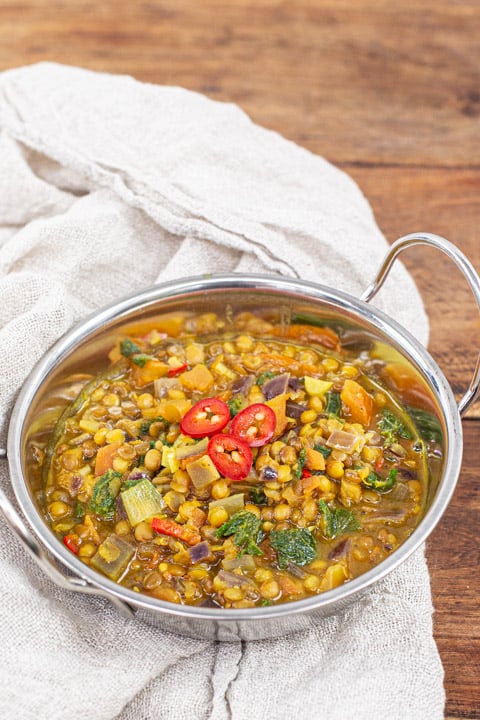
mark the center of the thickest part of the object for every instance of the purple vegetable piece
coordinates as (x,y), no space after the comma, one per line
(243,384)
(138,475)
(268,473)
(293,383)
(294,410)
(340,550)
(276,386)
(199,552)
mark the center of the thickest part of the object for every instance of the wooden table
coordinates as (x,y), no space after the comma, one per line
(390,92)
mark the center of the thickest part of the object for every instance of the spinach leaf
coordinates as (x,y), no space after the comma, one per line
(145,425)
(379,483)
(427,425)
(245,528)
(257,496)
(392,428)
(302,459)
(105,491)
(128,347)
(296,545)
(322,449)
(333,404)
(337,520)
(141,359)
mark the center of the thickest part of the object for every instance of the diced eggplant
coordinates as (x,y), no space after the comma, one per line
(199,552)
(276,386)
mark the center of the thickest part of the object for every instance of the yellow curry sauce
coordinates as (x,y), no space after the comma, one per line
(262,466)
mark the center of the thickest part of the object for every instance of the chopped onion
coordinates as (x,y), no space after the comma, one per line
(341,440)
(163,385)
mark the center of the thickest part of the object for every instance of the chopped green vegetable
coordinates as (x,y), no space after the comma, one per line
(232,503)
(142,501)
(131,483)
(79,510)
(263,377)
(382,484)
(302,459)
(236,403)
(257,496)
(105,491)
(141,359)
(145,425)
(128,347)
(392,428)
(428,425)
(322,449)
(245,527)
(296,545)
(337,520)
(333,404)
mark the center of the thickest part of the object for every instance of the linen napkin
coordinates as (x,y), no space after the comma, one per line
(108,185)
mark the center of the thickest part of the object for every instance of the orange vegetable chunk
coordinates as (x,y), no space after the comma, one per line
(199,378)
(279,407)
(105,457)
(358,401)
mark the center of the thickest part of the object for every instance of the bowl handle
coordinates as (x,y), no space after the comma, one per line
(460,261)
(75,584)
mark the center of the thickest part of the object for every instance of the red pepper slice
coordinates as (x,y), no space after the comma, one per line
(231,456)
(177,370)
(306,473)
(71,542)
(206,417)
(165,526)
(255,424)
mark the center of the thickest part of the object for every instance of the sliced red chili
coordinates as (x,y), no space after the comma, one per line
(231,456)
(177,370)
(206,417)
(255,424)
(306,473)
(71,542)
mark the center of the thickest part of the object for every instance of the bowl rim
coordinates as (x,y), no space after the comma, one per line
(398,337)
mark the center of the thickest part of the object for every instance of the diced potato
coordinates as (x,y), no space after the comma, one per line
(199,378)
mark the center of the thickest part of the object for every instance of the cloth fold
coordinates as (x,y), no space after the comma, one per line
(108,185)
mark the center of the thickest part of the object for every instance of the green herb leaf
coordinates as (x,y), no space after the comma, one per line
(379,483)
(322,449)
(302,459)
(337,521)
(79,510)
(141,359)
(235,404)
(257,496)
(245,528)
(428,425)
(145,425)
(128,347)
(263,377)
(296,545)
(333,403)
(392,428)
(105,491)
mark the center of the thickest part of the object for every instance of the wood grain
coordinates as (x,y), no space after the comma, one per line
(388,91)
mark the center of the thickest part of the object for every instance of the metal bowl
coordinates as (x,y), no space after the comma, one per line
(225,294)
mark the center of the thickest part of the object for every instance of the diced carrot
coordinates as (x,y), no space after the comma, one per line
(311,483)
(358,401)
(199,378)
(315,459)
(105,457)
(279,407)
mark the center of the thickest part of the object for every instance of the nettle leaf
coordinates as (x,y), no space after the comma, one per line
(337,521)
(296,545)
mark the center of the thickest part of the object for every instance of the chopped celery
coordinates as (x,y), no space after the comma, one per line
(142,501)
(113,556)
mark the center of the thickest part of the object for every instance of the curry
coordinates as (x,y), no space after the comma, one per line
(236,469)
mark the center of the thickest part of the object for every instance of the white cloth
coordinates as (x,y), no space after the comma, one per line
(106,186)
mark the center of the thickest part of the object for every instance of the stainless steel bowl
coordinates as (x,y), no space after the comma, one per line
(226,294)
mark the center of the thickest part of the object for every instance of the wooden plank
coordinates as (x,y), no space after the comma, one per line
(453,553)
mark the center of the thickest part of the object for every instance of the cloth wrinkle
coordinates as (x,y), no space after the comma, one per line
(95,205)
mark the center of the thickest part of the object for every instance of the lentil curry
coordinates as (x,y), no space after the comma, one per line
(239,469)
